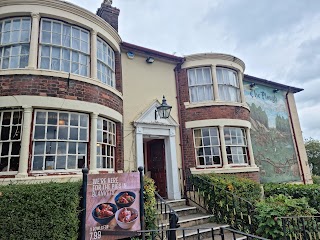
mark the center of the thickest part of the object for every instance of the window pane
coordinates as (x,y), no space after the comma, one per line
(52,118)
(45,63)
(39,148)
(61,162)
(46,25)
(23,61)
(14,164)
(37,163)
(46,37)
(72,162)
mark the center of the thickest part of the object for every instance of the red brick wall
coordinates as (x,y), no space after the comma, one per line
(58,87)
(200,113)
(109,14)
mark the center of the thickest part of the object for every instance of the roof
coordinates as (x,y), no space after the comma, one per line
(268,83)
(147,52)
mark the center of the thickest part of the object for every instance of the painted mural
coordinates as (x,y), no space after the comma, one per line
(271,134)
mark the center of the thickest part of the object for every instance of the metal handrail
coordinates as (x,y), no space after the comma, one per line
(161,233)
(224,205)
(307,227)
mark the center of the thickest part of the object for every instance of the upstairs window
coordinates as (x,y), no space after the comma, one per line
(106,63)
(64,47)
(60,140)
(200,84)
(10,140)
(228,85)
(14,42)
(106,143)
(236,145)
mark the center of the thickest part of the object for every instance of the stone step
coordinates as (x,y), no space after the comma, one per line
(174,203)
(190,220)
(182,210)
(205,231)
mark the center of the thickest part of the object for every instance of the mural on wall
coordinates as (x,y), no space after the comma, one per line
(272,140)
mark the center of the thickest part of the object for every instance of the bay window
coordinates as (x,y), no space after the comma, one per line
(14,42)
(64,47)
(236,145)
(105,63)
(10,140)
(60,140)
(106,143)
(209,148)
(200,84)
(228,85)
(203,86)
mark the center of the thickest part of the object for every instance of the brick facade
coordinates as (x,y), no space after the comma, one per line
(58,87)
(109,14)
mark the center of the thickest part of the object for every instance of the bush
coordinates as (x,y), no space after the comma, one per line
(241,187)
(278,206)
(311,192)
(149,203)
(39,211)
(316,179)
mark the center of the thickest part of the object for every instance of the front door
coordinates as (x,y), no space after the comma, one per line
(156,165)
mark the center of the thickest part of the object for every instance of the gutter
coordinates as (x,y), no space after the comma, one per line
(294,137)
(180,125)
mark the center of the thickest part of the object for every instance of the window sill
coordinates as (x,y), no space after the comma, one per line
(51,73)
(231,169)
(215,103)
(6,173)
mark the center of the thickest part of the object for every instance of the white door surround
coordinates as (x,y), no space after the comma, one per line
(148,127)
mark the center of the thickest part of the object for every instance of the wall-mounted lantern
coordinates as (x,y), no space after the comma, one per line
(163,110)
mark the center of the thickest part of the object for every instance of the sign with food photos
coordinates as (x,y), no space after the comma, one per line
(113,206)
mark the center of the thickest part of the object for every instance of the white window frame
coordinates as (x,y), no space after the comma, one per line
(200,84)
(19,49)
(18,130)
(105,63)
(83,59)
(106,138)
(236,144)
(207,147)
(224,85)
(56,141)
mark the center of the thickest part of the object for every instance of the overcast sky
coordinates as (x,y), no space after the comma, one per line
(278,40)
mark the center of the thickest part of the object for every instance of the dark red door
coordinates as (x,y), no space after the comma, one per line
(156,165)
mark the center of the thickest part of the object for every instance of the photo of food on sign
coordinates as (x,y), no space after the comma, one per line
(113,206)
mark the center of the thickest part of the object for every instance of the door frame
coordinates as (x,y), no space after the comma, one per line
(168,133)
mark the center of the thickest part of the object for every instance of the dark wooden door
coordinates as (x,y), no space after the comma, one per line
(156,165)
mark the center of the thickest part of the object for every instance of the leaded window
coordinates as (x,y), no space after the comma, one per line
(106,63)
(200,84)
(236,145)
(64,47)
(228,85)
(14,42)
(60,140)
(207,146)
(10,140)
(106,143)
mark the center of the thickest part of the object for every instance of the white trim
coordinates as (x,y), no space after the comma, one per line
(60,104)
(224,170)
(218,122)
(215,103)
(59,74)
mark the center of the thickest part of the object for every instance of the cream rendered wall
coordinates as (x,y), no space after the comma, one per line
(142,84)
(299,138)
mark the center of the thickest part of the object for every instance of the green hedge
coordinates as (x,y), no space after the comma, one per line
(39,211)
(276,206)
(242,187)
(316,179)
(311,192)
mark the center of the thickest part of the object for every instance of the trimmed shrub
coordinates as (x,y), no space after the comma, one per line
(277,206)
(242,187)
(40,211)
(311,192)
(149,203)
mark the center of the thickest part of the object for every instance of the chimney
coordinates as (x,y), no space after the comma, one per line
(109,14)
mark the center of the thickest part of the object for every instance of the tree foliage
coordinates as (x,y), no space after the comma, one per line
(259,115)
(313,153)
(282,124)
